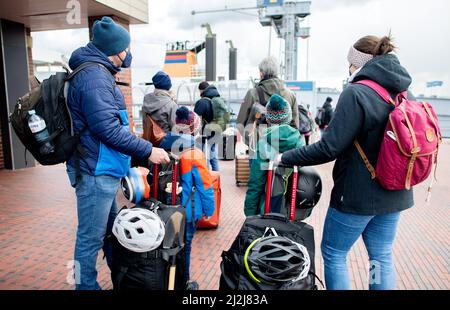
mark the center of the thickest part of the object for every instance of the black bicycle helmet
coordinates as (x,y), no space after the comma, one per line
(309,188)
(274,260)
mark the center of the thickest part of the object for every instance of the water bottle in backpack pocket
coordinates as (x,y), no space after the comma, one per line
(39,129)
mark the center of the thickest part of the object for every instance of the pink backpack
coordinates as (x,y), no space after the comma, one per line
(410,144)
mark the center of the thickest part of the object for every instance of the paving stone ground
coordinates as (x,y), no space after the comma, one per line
(38,225)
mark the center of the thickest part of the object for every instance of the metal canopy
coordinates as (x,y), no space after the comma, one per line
(56,14)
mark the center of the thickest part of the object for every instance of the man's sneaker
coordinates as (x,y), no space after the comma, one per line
(192,286)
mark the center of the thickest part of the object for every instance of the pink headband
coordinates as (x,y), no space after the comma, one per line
(357,58)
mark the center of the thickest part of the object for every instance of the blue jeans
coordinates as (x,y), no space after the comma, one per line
(191,228)
(212,156)
(97,209)
(342,230)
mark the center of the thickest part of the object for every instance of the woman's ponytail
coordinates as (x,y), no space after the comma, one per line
(384,46)
(375,46)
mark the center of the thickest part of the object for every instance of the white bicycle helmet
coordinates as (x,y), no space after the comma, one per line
(139,230)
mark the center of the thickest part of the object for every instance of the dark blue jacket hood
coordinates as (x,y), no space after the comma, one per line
(387,71)
(90,53)
(211,92)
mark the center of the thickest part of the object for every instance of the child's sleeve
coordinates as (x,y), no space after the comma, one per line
(203,182)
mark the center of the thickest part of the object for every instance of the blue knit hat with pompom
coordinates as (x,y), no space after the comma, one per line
(278,111)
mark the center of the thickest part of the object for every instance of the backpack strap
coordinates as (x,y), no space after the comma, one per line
(91,64)
(380,90)
(369,166)
(384,94)
(84,66)
(261,97)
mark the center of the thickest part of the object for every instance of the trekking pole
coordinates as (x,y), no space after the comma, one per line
(293,193)
(269,187)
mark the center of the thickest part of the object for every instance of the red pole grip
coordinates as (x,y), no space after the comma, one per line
(293,194)
(269,187)
(155,181)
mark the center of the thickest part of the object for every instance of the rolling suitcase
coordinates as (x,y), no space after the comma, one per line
(213,221)
(164,267)
(227,146)
(234,273)
(242,173)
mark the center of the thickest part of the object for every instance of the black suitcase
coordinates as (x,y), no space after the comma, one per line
(234,275)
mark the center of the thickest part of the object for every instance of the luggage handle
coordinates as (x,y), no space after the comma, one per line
(154,190)
(293,190)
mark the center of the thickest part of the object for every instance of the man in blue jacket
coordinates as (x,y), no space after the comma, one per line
(99,114)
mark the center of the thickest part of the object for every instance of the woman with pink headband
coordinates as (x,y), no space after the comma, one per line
(359,206)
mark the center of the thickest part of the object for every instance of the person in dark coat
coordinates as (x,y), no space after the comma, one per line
(203,108)
(98,111)
(359,206)
(327,113)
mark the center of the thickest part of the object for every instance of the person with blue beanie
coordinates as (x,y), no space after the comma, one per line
(109,37)
(100,117)
(160,105)
(162,81)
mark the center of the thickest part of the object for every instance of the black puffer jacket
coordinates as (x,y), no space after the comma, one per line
(327,114)
(203,107)
(360,114)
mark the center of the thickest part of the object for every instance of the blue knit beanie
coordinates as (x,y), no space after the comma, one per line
(162,81)
(278,111)
(109,37)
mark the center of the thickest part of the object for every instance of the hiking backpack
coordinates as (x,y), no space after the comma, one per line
(234,276)
(410,143)
(150,270)
(221,112)
(49,102)
(304,120)
(259,108)
(235,272)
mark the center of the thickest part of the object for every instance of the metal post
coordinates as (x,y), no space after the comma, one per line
(289,22)
(233,64)
(211,47)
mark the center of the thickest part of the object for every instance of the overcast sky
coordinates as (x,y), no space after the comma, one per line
(421,30)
